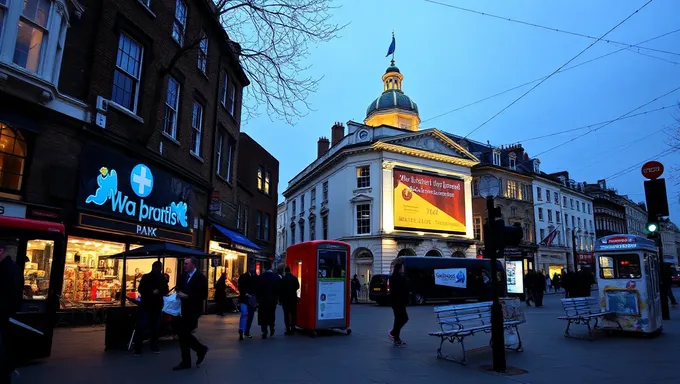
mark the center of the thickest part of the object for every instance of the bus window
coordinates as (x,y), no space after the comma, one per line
(37,267)
(625,266)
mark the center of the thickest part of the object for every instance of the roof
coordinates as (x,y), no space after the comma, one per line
(392,99)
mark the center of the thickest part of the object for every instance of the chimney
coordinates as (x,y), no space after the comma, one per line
(337,133)
(322,146)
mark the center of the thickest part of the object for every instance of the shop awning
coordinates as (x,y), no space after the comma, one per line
(238,239)
(161,250)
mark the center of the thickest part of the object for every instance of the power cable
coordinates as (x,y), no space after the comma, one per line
(544,77)
(612,121)
(549,28)
(631,168)
(558,69)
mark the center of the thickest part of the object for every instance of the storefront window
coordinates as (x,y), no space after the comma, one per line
(232,263)
(37,269)
(88,276)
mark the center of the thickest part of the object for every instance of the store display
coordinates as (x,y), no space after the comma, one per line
(89,275)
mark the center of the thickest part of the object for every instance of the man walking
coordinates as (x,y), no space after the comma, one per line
(355,285)
(289,299)
(247,286)
(192,290)
(400,292)
(152,288)
(268,297)
(10,301)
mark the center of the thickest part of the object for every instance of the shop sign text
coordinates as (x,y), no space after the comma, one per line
(144,230)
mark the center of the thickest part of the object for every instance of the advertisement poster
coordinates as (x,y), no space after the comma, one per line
(331,299)
(452,277)
(428,202)
(514,276)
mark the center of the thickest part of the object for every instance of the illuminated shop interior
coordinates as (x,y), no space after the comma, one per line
(233,264)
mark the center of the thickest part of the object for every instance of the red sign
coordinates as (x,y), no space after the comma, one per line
(426,202)
(652,170)
(620,240)
(586,257)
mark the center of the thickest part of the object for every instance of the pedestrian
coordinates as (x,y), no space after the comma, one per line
(667,281)
(556,282)
(539,289)
(548,282)
(268,296)
(152,288)
(247,286)
(570,283)
(193,291)
(355,287)
(11,282)
(289,300)
(400,290)
(221,294)
(529,282)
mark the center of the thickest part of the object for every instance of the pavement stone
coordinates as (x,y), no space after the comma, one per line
(367,356)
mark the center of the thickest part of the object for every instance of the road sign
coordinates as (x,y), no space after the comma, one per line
(652,170)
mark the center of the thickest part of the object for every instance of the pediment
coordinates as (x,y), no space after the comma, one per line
(361,198)
(432,141)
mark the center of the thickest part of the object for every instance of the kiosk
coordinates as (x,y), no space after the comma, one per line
(628,278)
(321,267)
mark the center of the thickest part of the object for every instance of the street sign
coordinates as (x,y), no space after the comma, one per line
(652,170)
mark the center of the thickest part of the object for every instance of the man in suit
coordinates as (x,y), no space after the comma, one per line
(192,290)
(152,288)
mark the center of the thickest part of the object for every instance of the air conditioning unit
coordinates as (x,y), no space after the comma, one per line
(102,104)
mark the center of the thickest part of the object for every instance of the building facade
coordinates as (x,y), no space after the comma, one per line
(121,132)
(381,188)
(636,216)
(670,237)
(281,232)
(610,211)
(258,182)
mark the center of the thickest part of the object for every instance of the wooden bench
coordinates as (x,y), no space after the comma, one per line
(456,322)
(584,311)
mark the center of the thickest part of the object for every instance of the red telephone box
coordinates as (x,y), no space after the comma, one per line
(322,268)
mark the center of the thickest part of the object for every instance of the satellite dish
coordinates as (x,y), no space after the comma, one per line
(489,186)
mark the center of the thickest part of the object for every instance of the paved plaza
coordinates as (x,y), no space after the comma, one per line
(366,356)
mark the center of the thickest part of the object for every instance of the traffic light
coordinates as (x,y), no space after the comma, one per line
(652,227)
(507,236)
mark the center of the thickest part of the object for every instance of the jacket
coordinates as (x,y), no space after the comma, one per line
(400,290)
(150,282)
(289,288)
(197,290)
(247,285)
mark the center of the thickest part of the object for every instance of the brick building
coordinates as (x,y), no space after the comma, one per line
(258,181)
(108,129)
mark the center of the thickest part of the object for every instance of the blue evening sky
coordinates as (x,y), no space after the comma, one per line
(451,58)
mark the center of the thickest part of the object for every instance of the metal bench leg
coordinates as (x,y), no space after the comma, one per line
(462,346)
(519,339)
(439,350)
(591,331)
(566,331)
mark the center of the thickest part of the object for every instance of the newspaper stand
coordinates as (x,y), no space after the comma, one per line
(324,300)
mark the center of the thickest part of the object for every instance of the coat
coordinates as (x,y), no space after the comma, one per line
(197,290)
(149,283)
(268,296)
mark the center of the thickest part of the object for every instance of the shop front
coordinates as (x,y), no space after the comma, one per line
(122,204)
(551,263)
(232,253)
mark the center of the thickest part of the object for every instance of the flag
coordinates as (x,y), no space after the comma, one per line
(390,50)
(551,237)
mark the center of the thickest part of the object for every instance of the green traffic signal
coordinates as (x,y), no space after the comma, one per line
(652,227)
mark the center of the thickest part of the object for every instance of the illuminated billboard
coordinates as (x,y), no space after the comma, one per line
(428,203)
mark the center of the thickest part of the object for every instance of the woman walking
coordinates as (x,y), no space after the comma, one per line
(400,291)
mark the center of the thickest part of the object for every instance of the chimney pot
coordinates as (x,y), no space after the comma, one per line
(337,133)
(322,147)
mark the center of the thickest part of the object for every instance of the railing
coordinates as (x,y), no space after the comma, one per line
(363,296)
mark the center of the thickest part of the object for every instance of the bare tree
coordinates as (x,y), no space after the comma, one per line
(275,36)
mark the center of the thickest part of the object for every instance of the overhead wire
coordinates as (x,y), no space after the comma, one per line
(558,69)
(549,28)
(631,168)
(544,77)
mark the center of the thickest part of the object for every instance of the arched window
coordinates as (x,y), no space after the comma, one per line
(406,252)
(12,158)
(433,252)
(458,254)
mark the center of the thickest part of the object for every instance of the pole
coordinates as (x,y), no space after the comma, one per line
(497,337)
(573,250)
(663,289)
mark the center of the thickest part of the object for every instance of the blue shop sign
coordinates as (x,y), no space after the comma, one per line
(116,185)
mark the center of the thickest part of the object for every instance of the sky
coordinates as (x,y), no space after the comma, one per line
(450,58)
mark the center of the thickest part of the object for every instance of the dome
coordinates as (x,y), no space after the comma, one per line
(392,99)
(392,68)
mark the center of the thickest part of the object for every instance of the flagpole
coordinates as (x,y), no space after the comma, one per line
(394,48)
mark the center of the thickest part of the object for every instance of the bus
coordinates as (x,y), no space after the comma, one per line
(441,279)
(38,248)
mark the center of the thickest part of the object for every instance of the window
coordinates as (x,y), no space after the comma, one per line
(263,180)
(565,201)
(513,211)
(325,191)
(539,195)
(31,34)
(579,222)
(558,217)
(293,209)
(260,177)
(547,195)
(477,227)
(228,94)
(513,161)
(578,206)
(262,226)
(511,190)
(171,108)
(180,24)
(266,182)
(258,225)
(302,203)
(557,199)
(566,219)
(526,192)
(127,73)
(324,223)
(302,232)
(591,224)
(196,129)
(224,154)
(496,158)
(363,219)
(537,166)
(292,234)
(246,213)
(12,158)
(312,228)
(475,187)
(589,209)
(312,194)
(540,213)
(583,206)
(625,266)
(542,235)
(550,215)
(363,177)
(573,221)
(203,52)
(571,203)
(239,212)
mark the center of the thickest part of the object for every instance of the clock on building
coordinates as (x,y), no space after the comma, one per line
(489,186)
